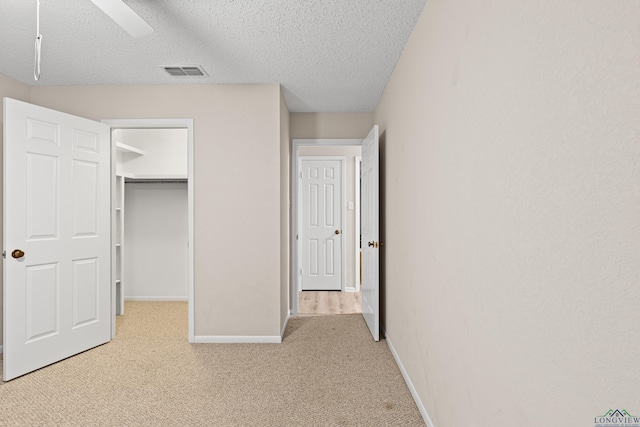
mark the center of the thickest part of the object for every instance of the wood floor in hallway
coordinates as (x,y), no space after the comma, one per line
(329,302)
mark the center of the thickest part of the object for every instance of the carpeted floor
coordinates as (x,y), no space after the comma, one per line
(327,372)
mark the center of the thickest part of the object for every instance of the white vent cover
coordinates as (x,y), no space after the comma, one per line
(184,70)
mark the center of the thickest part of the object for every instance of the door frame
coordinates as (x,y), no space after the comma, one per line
(295,215)
(356,231)
(343,213)
(166,124)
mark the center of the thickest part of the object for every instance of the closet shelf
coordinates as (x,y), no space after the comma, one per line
(129,149)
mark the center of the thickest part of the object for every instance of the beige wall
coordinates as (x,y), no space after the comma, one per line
(237,190)
(350,153)
(285,212)
(330,125)
(9,88)
(511,141)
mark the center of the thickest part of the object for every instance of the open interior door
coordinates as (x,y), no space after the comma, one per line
(370,230)
(57,293)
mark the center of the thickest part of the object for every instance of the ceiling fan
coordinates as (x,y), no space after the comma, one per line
(124,16)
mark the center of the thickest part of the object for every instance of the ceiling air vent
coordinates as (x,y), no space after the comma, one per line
(185,71)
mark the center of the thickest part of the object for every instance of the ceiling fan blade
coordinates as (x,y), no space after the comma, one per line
(124,16)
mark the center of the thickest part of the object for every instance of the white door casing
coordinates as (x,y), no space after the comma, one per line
(57,210)
(370,229)
(357,233)
(321,228)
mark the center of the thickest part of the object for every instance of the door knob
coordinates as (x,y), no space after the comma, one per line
(371,244)
(17,253)
(337,231)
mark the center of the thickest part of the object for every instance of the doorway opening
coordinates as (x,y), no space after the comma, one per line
(150,177)
(347,296)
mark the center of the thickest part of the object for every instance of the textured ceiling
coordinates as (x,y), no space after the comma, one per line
(329,55)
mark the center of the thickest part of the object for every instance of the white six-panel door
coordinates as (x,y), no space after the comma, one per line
(321,228)
(57,213)
(370,230)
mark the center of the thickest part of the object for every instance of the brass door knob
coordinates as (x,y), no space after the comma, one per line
(337,231)
(17,253)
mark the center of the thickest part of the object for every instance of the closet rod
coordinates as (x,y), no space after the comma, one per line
(155,181)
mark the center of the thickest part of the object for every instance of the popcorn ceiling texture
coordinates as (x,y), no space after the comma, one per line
(512,233)
(329,55)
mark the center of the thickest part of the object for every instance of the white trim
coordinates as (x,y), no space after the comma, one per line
(241,339)
(324,142)
(148,123)
(356,230)
(184,124)
(115,284)
(295,226)
(405,375)
(343,225)
(284,327)
(126,298)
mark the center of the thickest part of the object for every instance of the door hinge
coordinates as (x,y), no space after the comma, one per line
(301,272)
(296,237)
(300,175)
(4,254)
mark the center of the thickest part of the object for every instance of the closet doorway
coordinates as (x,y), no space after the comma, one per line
(152,215)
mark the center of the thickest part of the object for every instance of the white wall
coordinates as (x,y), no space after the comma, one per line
(155,241)
(165,152)
(511,145)
(350,152)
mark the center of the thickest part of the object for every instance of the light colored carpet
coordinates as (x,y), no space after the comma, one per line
(327,372)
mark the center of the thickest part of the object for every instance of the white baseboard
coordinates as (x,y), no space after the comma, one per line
(242,339)
(412,389)
(126,298)
(284,327)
